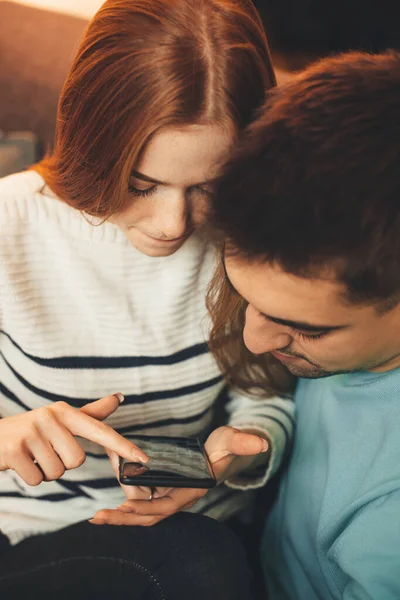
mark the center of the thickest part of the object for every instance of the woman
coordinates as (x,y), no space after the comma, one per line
(103,283)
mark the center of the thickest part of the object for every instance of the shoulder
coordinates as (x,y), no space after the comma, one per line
(18,193)
(25,202)
(20,184)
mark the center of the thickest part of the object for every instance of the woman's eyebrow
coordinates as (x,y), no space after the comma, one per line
(148,179)
(144,177)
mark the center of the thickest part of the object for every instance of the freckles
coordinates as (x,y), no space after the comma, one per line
(134,210)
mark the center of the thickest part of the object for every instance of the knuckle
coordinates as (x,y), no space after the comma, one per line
(80,458)
(31,436)
(60,406)
(12,450)
(76,461)
(55,474)
(34,479)
(43,416)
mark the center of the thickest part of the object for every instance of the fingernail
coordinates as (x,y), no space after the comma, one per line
(265,444)
(120,397)
(142,458)
(95,521)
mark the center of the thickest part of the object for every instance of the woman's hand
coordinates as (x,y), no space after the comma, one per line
(135,492)
(229,451)
(39,445)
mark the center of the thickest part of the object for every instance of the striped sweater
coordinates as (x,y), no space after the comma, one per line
(83,314)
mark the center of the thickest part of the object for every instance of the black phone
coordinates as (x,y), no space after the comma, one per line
(174,462)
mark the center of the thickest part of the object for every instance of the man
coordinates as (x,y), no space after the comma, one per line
(310,212)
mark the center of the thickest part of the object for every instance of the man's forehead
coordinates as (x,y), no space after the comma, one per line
(305,303)
(261,274)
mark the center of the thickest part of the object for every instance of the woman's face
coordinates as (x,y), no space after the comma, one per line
(170,188)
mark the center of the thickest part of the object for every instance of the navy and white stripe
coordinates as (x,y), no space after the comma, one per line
(83,315)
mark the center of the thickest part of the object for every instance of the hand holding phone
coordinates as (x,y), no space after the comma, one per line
(229,451)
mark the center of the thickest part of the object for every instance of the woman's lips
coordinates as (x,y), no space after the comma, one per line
(166,241)
(163,240)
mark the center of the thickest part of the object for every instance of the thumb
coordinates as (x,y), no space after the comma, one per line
(103,408)
(246,444)
(227,441)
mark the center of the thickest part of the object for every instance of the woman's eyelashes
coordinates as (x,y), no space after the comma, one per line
(141,193)
(152,190)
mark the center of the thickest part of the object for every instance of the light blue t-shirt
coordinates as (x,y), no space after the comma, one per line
(334,531)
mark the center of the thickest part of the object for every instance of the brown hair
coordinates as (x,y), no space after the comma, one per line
(144,65)
(319,170)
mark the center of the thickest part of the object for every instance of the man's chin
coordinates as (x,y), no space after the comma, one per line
(312,373)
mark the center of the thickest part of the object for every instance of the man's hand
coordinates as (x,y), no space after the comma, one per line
(229,451)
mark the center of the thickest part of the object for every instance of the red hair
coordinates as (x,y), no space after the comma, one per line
(144,65)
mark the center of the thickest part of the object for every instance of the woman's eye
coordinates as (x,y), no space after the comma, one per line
(141,193)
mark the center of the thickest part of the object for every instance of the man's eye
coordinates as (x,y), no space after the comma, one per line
(311,336)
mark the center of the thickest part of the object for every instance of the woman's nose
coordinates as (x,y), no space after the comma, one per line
(171,216)
(261,336)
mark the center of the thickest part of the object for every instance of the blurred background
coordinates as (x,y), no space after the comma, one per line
(80,8)
(38,39)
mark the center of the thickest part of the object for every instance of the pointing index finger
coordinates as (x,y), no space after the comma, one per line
(96,431)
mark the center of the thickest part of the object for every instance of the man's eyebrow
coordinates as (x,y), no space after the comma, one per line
(303,326)
(148,179)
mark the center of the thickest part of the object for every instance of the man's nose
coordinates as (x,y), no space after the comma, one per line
(261,336)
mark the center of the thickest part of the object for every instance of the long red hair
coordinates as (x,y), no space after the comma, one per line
(144,65)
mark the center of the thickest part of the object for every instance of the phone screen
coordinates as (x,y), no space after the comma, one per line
(174,462)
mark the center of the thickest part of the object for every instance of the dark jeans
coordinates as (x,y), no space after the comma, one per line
(185,557)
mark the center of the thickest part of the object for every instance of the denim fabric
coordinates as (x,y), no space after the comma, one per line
(185,557)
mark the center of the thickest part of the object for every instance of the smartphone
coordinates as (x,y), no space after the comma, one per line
(174,462)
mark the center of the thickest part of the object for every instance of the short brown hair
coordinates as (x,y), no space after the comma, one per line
(144,65)
(316,183)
